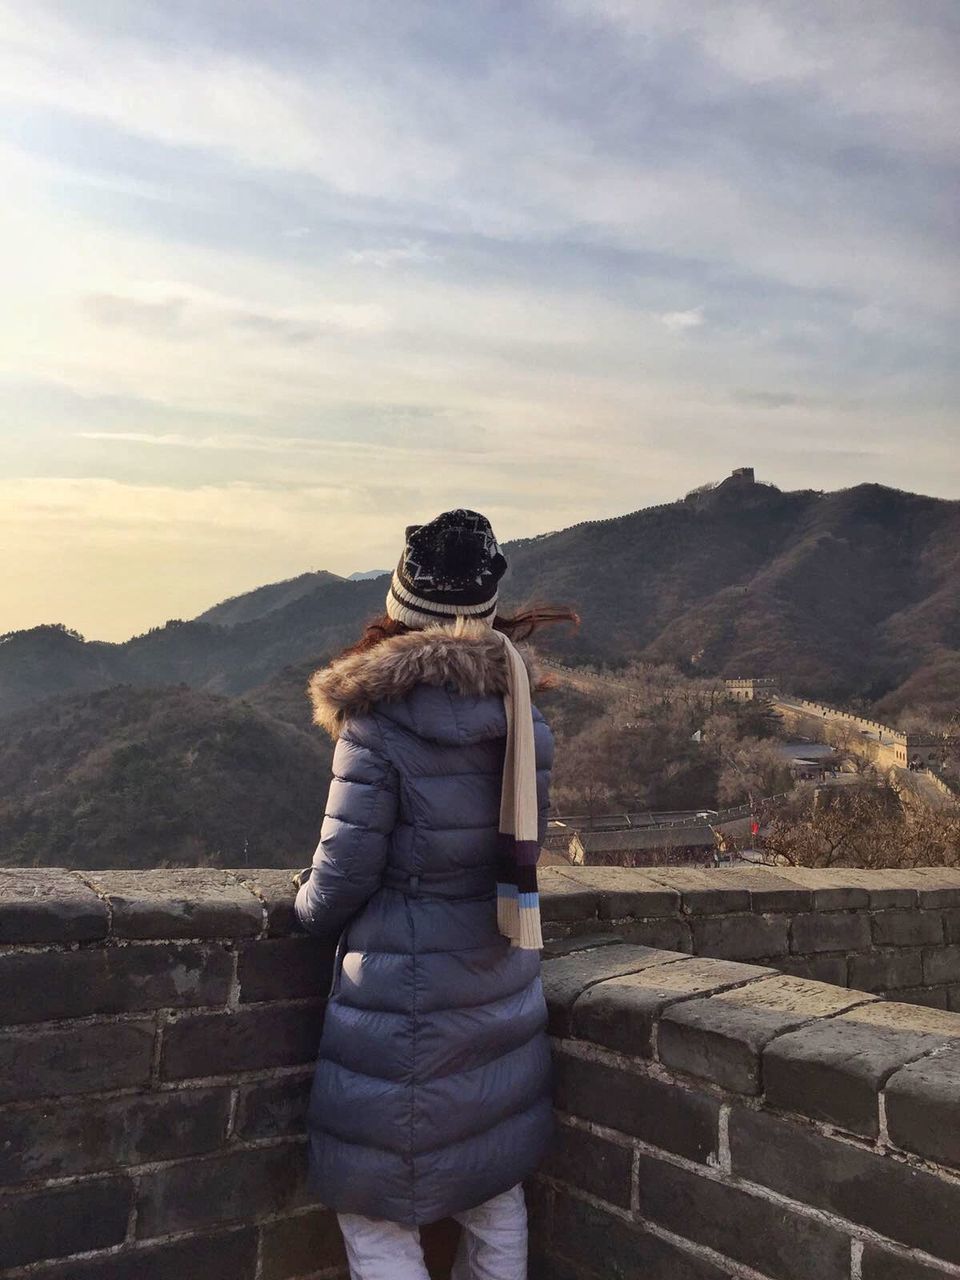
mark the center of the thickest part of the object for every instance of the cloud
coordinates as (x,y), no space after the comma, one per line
(773,399)
(391,255)
(152,318)
(283,446)
(680,321)
(423,253)
(182,312)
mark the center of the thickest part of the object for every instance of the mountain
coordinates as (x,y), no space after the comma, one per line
(52,661)
(263,600)
(852,595)
(145,777)
(845,595)
(367,573)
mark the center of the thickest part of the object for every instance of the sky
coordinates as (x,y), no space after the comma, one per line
(280,279)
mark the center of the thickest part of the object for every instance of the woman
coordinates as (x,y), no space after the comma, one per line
(432,1090)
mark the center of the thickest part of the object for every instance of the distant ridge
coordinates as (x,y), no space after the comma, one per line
(851,595)
(368,573)
(263,600)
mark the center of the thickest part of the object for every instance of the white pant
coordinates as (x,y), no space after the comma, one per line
(493,1245)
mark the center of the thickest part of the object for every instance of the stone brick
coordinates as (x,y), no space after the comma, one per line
(106,979)
(667,934)
(193,902)
(59,1138)
(941,964)
(930,997)
(705,892)
(276,893)
(566,978)
(907,928)
(301,1245)
(59,1221)
(830,888)
(272,1108)
(937,886)
(585,928)
(903,1203)
(567,945)
(228,1255)
(49,904)
(621,1013)
(740,937)
(721,1038)
(603,1246)
(831,931)
(233,1187)
(951,925)
(744,1227)
(770,891)
(211,1044)
(882,1264)
(892,889)
(879,970)
(833,1070)
(87,1058)
(820,968)
(661,1113)
(624,892)
(561,899)
(921,1103)
(594,1164)
(283,968)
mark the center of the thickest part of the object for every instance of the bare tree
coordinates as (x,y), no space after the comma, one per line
(863,825)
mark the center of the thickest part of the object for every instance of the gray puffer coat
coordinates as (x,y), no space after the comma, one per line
(432,1087)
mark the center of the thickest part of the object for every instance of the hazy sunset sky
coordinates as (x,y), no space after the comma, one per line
(280,278)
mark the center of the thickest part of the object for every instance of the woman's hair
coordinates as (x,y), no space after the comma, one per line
(517,626)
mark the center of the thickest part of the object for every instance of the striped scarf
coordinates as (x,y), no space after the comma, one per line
(518,902)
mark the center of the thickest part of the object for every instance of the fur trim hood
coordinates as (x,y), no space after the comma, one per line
(466,655)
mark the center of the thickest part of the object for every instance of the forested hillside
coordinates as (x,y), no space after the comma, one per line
(152,777)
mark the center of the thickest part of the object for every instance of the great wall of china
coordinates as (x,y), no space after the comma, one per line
(755,1076)
(917,755)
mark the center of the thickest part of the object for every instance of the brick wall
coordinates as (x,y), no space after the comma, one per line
(157,1033)
(719,1119)
(894,933)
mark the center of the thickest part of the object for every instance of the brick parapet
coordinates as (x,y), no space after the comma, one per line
(895,933)
(159,1029)
(157,1037)
(720,1119)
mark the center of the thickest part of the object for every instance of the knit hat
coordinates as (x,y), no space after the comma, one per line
(450,570)
(449,567)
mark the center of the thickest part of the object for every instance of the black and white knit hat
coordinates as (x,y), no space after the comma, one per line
(450,567)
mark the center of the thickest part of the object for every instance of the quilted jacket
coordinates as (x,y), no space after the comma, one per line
(432,1086)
